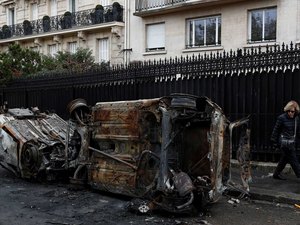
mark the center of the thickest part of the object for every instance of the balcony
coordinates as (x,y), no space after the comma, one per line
(7,2)
(145,8)
(62,23)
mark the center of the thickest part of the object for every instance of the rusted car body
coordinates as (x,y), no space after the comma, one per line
(32,143)
(174,151)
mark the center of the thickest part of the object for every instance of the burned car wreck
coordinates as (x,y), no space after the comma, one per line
(174,152)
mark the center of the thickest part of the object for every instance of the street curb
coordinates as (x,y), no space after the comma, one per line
(269,167)
(266,167)
(274,196)
(267,192)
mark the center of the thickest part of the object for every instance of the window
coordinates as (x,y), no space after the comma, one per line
(155,37)
(103,50)
(72,48)
(52,50)
(34,11)
(35,48)
(204,31)
(53,7)
(262,25)
(104,2)
(10,16)
(72,6)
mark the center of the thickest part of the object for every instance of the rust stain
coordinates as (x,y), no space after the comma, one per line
(102,115)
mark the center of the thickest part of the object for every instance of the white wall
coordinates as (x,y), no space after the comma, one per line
(234,27)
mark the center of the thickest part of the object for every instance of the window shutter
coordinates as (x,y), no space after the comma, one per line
(156,36)
(34,11)
(72,6)
(10,16)
(53,8)
(72,47)
(103,50)
(104,2)
(52,50)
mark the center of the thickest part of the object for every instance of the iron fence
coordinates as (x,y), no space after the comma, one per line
(244,82)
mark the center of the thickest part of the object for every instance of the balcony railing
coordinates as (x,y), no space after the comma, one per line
(61,22)
(147,7)
(141,5)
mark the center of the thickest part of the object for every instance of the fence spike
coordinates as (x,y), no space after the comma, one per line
(227,54)
(234,54)
(205,56)
(239,52)
(253,62)
(201,57)
(291,45)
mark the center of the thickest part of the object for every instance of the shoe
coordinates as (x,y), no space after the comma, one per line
(278,177)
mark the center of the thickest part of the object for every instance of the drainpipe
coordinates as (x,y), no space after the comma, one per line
(127,32)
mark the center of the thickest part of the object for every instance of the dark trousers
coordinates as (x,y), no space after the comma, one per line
(288,156)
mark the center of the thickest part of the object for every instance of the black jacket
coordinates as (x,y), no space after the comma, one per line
(285,126)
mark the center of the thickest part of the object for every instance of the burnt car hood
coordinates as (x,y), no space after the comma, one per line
(30,141)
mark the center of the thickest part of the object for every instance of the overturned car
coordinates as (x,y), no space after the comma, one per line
(174,152)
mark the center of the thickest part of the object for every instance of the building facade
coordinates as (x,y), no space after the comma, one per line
(169,28)
(49,26)
(138,30)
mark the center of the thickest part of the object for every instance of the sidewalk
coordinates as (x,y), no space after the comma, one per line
(264,187)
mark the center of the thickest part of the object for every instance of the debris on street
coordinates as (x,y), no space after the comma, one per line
(233,201)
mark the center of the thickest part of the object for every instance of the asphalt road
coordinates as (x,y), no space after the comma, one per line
(23,202)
